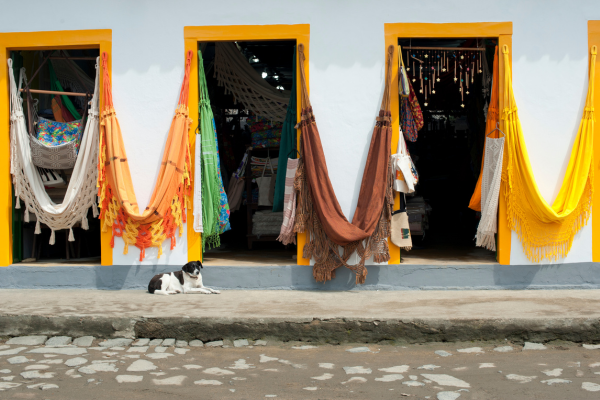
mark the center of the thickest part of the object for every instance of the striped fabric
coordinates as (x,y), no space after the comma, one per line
(287,234)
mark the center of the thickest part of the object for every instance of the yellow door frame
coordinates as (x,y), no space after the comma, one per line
(193,35)
(501,30)
(594,39)
(77,40)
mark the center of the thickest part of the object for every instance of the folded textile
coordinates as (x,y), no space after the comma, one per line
(287,234)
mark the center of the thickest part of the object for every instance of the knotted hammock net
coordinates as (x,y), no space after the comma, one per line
(545,231)
(233,72)
(167,208)
(318,211)
(28,185)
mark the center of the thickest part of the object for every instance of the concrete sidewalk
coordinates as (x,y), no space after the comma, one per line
(351,316)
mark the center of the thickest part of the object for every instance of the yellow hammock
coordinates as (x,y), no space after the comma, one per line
(166,210)
(545,231)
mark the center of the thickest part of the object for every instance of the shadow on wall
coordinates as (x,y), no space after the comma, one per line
(580,275)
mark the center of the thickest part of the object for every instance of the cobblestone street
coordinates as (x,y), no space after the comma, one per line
(37,367)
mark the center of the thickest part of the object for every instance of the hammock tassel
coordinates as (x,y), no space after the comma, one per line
(38,228)
(18,203)
(52,237)
(26,216)
(71,236)
(95,212)
(84,223)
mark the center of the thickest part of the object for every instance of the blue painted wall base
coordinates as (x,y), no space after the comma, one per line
(296,277)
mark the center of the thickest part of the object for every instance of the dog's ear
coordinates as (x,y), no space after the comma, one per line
(200,264)
(186,267)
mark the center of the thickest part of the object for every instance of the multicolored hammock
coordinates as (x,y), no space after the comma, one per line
(318,211)
(545,231)
(167,208)
(215,208)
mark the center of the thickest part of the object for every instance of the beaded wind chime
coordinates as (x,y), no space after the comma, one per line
(429,65)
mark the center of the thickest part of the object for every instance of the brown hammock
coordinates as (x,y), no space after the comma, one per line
(318,211)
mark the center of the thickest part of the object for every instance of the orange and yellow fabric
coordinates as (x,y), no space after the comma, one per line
(546,231)
(490,125)
(119,208)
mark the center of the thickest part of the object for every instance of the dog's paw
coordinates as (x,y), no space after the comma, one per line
(178,291)
(216,291)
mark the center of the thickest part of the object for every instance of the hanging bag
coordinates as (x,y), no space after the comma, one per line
(264,184)
(406,176)
(403,83)
(400,227)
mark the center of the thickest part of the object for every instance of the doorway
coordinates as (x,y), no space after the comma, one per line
(248,142)
(451,79)
(72,72)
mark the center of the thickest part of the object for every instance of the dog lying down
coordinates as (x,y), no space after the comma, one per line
(188,280)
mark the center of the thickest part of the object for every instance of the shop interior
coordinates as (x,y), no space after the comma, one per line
(249,145)
(68,71)
(452,81)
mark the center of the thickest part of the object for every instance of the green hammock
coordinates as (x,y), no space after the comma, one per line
(56,86)
(210,178)
(288,143)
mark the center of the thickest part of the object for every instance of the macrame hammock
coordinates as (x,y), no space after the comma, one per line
(233,72)
(167,208)
(28,185)
(318,211)
(545,231)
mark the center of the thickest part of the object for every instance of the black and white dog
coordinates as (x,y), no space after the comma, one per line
(188,280)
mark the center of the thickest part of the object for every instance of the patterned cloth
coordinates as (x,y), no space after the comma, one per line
(224,212)
(416,109)
(52,133)
(287,234)
(409,126)
(265,133)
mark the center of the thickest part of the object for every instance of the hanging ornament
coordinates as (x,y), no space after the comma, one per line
(462,100)
(455,79)
(444,63)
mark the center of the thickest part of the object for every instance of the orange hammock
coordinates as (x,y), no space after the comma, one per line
(118,204)
(491,124)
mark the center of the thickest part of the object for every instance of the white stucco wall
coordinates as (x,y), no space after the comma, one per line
(346,75)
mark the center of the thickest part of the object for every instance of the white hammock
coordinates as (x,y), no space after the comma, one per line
(233,71)
(28,185)
(490,192)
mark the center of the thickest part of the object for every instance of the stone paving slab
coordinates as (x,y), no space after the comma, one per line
(84,341)
(58,341)
(28,340)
